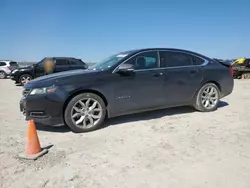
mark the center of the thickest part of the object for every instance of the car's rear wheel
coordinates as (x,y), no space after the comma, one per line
(207,98)
(2,75)
(245,76)
(25,78)
(85,112)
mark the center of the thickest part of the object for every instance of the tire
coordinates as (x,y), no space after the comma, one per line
(3,75)
(245,76)
(74,104)
(27,76)
(200,95)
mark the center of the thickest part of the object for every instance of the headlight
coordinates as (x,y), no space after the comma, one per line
(15,70)
(44,90)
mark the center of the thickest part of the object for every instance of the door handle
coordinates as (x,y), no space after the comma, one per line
(157,74)
(193,72)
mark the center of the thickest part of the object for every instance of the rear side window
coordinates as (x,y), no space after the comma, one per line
(61,62)
(197,60)
(76,62)
(13,63)
(2,63)
(175,59)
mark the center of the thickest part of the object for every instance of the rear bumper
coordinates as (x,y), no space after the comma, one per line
(227,87)
(7,72)
(42,110)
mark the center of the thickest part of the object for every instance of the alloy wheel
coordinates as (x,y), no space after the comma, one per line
(2,75)
(86,113)
(209,97)
(25,79)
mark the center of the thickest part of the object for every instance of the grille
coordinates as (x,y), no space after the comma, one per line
(26,92)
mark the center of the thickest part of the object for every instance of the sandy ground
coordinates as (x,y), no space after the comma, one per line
(175,148)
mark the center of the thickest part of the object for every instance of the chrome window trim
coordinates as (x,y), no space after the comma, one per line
(159,61)
(188,53)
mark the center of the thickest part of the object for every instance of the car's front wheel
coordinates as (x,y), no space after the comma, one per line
(85,112)
(25,78)
(2,75)
(207,99)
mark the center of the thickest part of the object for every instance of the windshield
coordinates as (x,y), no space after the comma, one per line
(108,62)
(40,63)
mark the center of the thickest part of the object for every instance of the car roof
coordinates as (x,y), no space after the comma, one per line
(68,58)
(174,49)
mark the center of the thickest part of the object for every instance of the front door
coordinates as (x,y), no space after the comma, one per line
(142,90)
(39,69)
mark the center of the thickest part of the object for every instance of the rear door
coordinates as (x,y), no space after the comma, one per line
(77,64)
(183,76)
(62,65)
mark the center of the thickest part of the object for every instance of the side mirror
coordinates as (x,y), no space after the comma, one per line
(126,69)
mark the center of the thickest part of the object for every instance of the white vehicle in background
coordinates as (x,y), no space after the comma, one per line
(6,67)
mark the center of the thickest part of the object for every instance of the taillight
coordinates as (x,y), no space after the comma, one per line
(9,67)
(232,70)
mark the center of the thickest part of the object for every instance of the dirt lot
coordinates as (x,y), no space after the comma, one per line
(175,148)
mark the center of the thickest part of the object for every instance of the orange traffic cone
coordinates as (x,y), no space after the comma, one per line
(33,148)
(32,142)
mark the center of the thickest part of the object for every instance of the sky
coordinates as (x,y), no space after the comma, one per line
(95,29)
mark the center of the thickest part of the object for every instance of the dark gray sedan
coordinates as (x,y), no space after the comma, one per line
(127,82)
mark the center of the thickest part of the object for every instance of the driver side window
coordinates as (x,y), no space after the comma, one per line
(144,61)
(40,64)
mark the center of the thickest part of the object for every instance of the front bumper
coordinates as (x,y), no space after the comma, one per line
(14,78)
(43,110)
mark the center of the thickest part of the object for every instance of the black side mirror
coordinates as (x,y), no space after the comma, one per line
(126,69)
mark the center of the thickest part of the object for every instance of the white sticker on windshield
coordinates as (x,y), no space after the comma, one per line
(122,55)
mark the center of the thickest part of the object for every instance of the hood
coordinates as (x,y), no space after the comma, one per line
(25,68)
(17,69)
(59,78)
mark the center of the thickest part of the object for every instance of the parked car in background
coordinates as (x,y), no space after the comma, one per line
(125,83)
(6,67)
(241,68)
(25,74)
